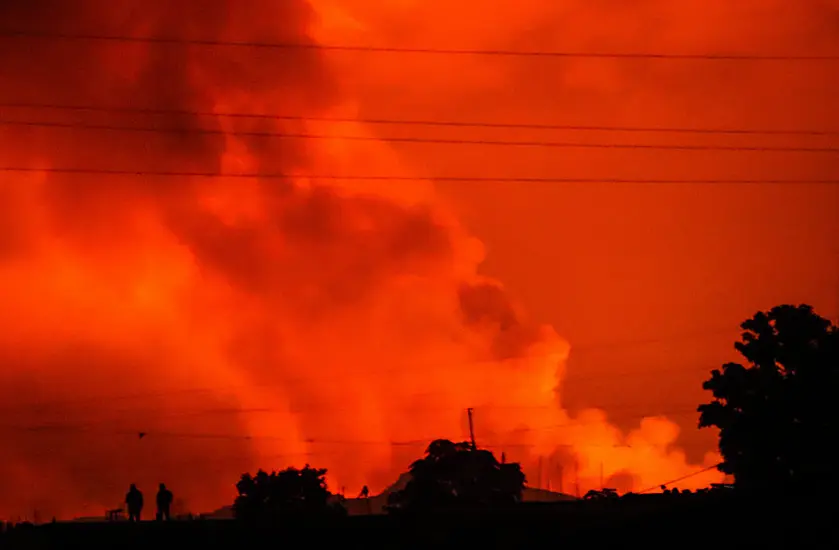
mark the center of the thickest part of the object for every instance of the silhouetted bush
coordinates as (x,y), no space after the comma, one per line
(454,475)
(288,493)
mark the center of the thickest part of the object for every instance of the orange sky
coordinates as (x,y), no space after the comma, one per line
(245,322)
(633,275)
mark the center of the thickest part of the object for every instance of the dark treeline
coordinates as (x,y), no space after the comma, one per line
(777,422)
(724,520)
(776,413)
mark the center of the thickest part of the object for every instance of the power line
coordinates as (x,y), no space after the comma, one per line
(171,41)
(689,369)
(141,434)
(45,405)
(678,479)
(311,410)
(219,463)
(418,122)
(333,177)
(297,409)
(589,347)
(93,428)
(576,350)
(437,141)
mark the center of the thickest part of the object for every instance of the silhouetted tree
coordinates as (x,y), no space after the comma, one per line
(265,496)
(456,475)
(777,415)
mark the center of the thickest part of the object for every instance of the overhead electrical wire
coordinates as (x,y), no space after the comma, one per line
(422,122)
(182,41)
(439,141)
(313,409)
(221,463)
(691,369)
(309,408)
(683,478)
(100,429)
(576,349)
(434,51)
(413,139)
(44,405)
(465,179)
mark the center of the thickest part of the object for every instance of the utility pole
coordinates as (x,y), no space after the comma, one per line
(471,429)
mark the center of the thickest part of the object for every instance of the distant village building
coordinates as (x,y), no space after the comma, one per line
(376,504)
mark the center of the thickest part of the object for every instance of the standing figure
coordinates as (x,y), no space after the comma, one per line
(164,503)
(365,494)
(134,503)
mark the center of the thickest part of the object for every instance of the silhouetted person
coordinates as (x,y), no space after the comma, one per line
(365,492)
(134,503)
(164,503)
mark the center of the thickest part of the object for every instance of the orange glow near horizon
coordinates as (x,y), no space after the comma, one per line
(260,323)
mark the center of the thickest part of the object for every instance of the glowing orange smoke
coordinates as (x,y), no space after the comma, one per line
(241,322)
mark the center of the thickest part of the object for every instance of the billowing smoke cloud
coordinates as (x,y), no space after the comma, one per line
(102,275)
(614,263)
(238,323)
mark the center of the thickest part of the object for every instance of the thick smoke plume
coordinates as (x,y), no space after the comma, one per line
(239,323)
(647,281)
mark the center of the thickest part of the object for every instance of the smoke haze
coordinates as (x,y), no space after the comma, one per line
(648,282)
(262,322)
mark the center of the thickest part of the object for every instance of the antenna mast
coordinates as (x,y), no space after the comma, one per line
(471,429)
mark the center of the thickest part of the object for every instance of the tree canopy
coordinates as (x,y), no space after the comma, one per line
(291,491)
(456,475)
(776,414)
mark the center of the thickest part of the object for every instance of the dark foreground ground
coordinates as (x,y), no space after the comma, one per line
(655,521)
